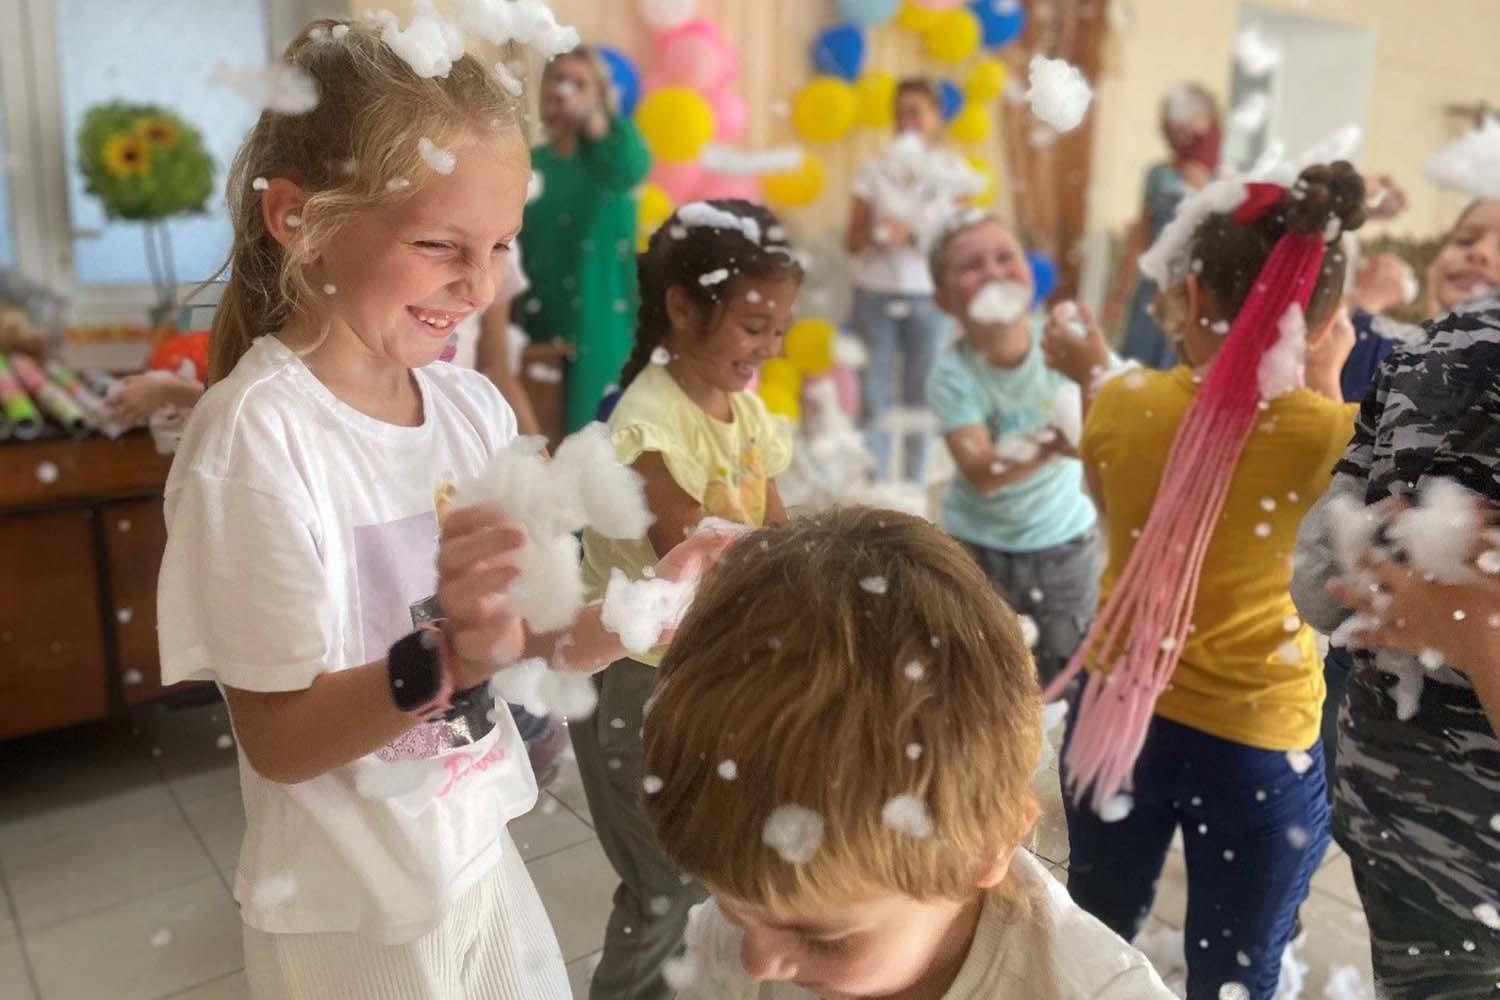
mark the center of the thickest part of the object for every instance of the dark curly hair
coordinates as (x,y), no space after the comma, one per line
(680,254)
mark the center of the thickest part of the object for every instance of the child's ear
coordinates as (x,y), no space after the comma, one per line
(682,311)
(946,301)
(281,206)
(1001,868)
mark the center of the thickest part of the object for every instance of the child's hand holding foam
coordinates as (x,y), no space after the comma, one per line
(1072,343)
(475,568)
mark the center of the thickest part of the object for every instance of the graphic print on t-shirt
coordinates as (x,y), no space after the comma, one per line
(739,494)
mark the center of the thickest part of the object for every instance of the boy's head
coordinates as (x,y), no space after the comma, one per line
(882,715)
(974,250)
(918,107)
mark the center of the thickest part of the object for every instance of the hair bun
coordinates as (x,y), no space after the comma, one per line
(1325,191)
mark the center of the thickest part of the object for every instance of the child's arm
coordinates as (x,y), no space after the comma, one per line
(140,396)
(775,509)
(493,360)
(677,512)
(986,470)
(295,736)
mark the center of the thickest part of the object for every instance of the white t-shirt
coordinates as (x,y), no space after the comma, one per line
(919,187)
(1058,953)
(302,539)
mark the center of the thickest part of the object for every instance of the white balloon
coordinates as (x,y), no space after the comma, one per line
(664,15)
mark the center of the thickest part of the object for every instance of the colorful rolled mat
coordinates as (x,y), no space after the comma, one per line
(20,412)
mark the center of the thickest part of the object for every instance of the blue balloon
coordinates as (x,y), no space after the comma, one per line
(1002,21)
(625,77)
(952,99)
(868,12)
(1043,276)
(840,52)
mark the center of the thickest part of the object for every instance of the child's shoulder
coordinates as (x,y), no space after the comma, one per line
(258,403)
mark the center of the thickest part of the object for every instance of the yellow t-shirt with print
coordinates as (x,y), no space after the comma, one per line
(1244,675)
(725,466)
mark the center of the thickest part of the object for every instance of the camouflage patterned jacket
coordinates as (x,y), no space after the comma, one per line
(1410,793)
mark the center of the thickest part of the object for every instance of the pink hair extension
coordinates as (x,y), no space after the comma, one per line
(1138,636)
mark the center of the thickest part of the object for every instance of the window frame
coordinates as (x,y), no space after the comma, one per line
(42,230)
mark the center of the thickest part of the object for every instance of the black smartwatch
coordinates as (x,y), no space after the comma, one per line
(415,667)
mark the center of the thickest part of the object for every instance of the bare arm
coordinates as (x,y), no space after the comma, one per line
(987,471)
(492,358)
(775,509)
(677,512)
(861,225)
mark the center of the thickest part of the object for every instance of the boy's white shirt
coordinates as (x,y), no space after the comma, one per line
(1058,953)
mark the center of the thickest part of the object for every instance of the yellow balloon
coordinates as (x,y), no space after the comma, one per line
(796,187)
(781,401)
(654,208)
(809,346)
(824,109)
(986,80)
(972,124)
(954,36)
(676,123)
(985,198)
(875,94)
(914,17)
(780,371)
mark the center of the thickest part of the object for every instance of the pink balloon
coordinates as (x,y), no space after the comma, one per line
(729,186)
(849,390)
(939,4)
(681,181)
(730,114)
(696,55)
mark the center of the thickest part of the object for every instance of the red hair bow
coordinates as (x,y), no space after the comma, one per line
(1260,198)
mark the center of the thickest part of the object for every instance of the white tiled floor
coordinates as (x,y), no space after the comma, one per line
(116,865)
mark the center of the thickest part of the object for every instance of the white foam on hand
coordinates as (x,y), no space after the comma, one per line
(1438,535)
(583,486)
(542,691)
(639,611)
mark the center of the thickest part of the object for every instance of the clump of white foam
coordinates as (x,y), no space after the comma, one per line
(715,277)
(439,159)
(1469,164)
(529,22)
(1059,95)
(542,691)
(1346,983)
(583,486)
(430,44)
(1117,808)
(1438,534)
(909,815)
(747,163)
(639,611)
(1250,114)
(1255,53)
(1167,262)
(701,213)
(1067,412)
(279,87)
(508,79)
(1300,761)
(1000,302)
(1402,333)
(793,832)
(1282,368)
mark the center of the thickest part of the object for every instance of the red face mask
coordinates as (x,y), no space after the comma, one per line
(1203,148)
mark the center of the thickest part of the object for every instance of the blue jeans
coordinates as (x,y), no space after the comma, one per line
(913,327)
(1254,832)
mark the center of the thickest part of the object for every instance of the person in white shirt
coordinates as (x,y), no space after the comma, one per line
(901,199)
(313,568)
(840,747)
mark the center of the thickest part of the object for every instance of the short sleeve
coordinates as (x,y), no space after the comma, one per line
(242,596)
(953,394)
(775,435)
(634,439)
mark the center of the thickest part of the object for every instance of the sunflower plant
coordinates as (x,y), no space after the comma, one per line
(146,164)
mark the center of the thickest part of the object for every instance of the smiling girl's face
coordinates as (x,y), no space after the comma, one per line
(1468,264)
(747,331)
(398,278)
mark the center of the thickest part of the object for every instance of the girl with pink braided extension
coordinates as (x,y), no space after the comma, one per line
(1203,689)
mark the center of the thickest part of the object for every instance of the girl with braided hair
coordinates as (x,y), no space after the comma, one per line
(1201,707)
(718,283)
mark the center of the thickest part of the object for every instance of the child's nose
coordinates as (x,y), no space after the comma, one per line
(766,957)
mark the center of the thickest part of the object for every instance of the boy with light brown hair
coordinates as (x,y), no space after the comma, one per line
(840,747)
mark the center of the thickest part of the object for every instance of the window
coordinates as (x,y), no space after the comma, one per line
(156,67)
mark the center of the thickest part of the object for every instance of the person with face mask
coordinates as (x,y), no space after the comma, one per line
(1190,126)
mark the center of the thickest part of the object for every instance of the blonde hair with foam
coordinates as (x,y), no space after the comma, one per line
(815,681)
(358,149)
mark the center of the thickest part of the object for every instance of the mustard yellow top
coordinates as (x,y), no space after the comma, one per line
(725,466)
(1249,671)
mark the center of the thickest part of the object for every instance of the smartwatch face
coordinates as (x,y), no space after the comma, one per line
(468,722)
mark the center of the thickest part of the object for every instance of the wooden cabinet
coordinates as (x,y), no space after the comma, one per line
(81,540)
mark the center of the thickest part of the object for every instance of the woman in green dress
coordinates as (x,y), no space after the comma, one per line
(579,236)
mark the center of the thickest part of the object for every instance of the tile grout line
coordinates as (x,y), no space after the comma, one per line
(188,989)
(198,837)
(15,919)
